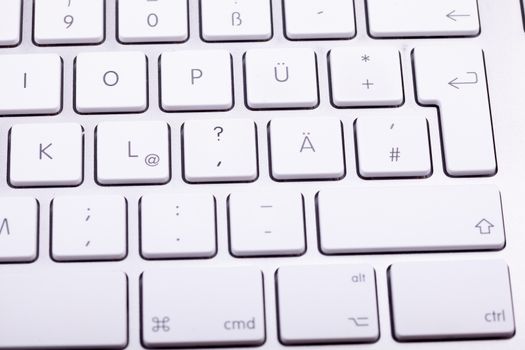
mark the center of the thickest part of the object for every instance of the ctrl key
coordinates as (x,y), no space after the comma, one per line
(451,300)
(197,306)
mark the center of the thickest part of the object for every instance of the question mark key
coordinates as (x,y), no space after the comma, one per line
(219,150)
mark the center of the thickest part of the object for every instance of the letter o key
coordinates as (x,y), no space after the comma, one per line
(111,78)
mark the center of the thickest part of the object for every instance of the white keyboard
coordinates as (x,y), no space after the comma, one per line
(274,174)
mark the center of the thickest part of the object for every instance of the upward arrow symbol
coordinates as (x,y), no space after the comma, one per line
(5,225)
(484,227)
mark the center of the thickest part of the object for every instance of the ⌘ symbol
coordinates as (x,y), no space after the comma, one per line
(152,160)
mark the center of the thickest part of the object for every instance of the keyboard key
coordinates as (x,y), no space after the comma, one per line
(111,82)
(407,219)
(236,20)
(18,229)
(319,19)
(327,304)
(133,153)
(10,22)
(46,155)
(192,306)
(451,300)
(459,88)
(219,150)
(68,22)
(196,80)
(416,18)
(306,148)
(141,21)
(89,228)
(393,147)
(366,77)
(59,308)
(177,226)
(30,84)
(281,78)
(266,223)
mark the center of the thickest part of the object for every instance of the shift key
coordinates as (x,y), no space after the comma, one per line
(451,300)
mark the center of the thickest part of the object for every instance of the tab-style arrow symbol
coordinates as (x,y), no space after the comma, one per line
(484,227)
(455,83)
(453,15)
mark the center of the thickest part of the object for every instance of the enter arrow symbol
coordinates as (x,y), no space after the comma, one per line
(455,83)
(453,15)
(484,227)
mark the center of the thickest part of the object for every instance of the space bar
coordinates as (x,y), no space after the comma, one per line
(63,309)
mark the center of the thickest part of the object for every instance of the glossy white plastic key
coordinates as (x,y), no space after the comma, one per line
(177,226)
(451,300)
(64,308)
(281,78)
(49,154)
(142,21)
(407,219)
(68,22)
(10,22)
(18,229)
(133,153)
(199,306)
(422,18)
(111,82)
(306,148)
(366,76)
(393,146)
(327,304)
(89,228)
(220,150)
(319,19)
(266,223)
(30,84)
(236,20)
(196,80)
(458,86)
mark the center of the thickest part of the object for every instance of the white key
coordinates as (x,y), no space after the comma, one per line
(366,77)
(451,300)
(89,228)
(46,155)
(393,146)
(196,80)
(109,82)
(420,18)
(220,150)
(319,19)
(266,223)
(177,226)
(30,84)
(142,21)
(281,78)
(63,308)
(407,219)
(68,22)
(18,229)
(306,148)
(133,153)
(236,20)
(192,306)
(10,22)
(327,304)
(457,85)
